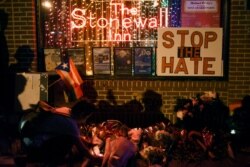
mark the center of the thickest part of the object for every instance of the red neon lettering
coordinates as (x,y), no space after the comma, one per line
(119,37)
(90,21)
(133,11)
(102,22)
(114,22)
(115,7)
(152,23)
(139,23)
(124,10)
(78,17)
(126,22)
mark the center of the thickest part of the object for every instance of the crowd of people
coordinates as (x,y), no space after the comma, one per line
(204,129)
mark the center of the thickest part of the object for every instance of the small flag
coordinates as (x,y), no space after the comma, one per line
(69,74)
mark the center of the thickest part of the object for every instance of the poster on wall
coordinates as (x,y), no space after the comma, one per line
(143,60)
(193,52)
(101,60)
(78,57)
(200,13)
(52,58)
(122,61)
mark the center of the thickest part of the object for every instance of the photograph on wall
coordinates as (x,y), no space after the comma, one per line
(102,60)
(200,13)
(52,59)
(143,60)
(122,61)
(78,57)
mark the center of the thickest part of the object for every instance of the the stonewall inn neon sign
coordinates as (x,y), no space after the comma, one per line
(119,24)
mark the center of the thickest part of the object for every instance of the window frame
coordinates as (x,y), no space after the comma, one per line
(225,25)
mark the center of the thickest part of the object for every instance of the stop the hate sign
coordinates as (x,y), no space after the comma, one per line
(189,52)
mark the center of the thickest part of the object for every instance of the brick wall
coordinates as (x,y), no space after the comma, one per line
(21,31)
(170,90)
(239,64)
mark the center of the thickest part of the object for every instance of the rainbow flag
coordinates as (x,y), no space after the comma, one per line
(69,74)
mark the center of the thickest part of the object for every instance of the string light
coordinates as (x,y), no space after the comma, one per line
(46,4)
(58,32)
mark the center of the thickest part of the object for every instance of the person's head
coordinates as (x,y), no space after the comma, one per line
(24,57)
(246,102)
(90,92)
(183,104)
(152,100)
(123,131)
(3,20)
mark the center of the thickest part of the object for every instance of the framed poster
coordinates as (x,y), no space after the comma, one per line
(52,58)
(101,60)
(200,13)
(122,61)
(78,57)
(143,60)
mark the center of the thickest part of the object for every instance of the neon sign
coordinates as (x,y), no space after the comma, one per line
(123,18)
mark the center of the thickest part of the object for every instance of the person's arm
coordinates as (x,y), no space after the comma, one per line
(82,147)
(107,152)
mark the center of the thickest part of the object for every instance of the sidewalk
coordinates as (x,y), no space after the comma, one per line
(7,161)
(241,161)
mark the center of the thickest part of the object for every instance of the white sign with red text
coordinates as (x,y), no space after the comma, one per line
(189,52)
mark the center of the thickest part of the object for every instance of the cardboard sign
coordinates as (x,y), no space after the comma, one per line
(30,88)
(189,52)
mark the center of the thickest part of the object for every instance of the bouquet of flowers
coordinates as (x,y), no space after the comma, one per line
(154,155)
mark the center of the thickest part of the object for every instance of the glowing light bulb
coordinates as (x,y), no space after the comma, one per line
(46,4)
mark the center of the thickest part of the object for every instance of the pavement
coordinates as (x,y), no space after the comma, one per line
(7,161)
(242,160)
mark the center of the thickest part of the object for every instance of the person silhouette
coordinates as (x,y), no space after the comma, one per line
(24,56)
(4,64)
(4,54)
(152,102)
(13,85)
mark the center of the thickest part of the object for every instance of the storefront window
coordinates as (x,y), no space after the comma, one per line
(82,25)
